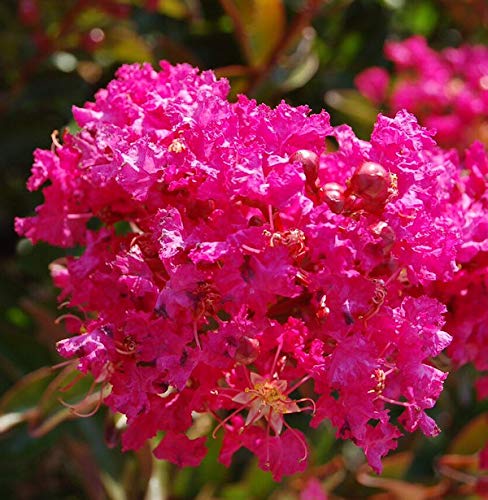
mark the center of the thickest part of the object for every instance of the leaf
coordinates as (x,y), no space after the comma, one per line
(25,394)
(352,104)
(421,17)
(394,469)
(472,437)
(113,488)
(301,74)
(259,26)
(125,46)
(21,403)
(34,399)
(176,9)
(157,486)
(396,466)
(458,462)
(12,419)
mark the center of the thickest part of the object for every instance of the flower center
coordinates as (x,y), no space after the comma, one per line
(293,239)
(176,146)
(271,396)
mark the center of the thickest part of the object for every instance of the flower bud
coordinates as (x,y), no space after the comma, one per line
(247,350)
(309,161)
(371,182)
(333,194)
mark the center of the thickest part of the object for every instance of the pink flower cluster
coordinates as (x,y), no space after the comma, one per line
(236,266)
(465,295)
(446,90)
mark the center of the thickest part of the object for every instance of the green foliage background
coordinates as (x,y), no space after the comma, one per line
(306,52)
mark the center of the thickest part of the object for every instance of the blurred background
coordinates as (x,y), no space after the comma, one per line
(55,54)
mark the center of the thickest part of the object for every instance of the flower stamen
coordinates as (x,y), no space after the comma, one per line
(301,440)
(87,401)
(293,239)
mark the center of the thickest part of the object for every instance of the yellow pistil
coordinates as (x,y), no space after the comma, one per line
(271,396)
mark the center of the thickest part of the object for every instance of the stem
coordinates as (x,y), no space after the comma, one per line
(275,360)
(297,384)
(226,419)
(300,439)
(394,402)
(268,425)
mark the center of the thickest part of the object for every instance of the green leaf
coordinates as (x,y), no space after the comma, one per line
(21,403)
(301,74)
(25,394)
(391,480)
(396,466)
(421,17)
(472,437)
(176,9)
(426,19)
(124,46)
(352,104)
(35,399)
(235,492)
(259,26)
(112,487)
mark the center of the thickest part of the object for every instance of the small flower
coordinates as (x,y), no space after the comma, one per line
(267,398)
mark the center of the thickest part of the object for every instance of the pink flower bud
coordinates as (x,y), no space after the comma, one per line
(371,182)
(309,161)
(247,350)
(333,194)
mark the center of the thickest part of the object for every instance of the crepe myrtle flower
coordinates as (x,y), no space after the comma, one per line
(268,398)
(233,265)
(447,90)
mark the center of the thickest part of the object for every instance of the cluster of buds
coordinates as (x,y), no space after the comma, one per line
(369,188)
